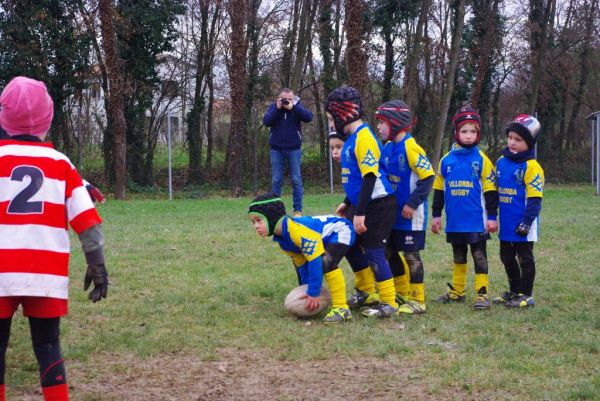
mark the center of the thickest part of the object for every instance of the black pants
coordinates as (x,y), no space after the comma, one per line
(45,338)
(518,261)
(478,252)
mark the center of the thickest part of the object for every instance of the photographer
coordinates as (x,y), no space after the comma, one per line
(284,117)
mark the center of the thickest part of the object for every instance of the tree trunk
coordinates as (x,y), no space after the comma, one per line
(326,45)
(450,78)
(412,58)
(388,70)
(318,105)
(584,65)
(539,20)
(307,17)
(485,50)
(115,82)
(209,121)
(356,58)
(289,45)
(238,10)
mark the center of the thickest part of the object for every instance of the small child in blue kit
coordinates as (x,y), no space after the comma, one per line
(520,188)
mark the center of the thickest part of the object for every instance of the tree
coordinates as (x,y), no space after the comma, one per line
(540,16)
(209,14)
(115,86)
(145,30)
(356,57)
(41,40)
(459,9)
(238,12)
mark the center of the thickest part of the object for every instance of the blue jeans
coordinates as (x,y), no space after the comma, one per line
(293,159)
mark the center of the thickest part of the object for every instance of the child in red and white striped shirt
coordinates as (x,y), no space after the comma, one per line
(41,195)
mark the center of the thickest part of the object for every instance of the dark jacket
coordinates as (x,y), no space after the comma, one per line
(286,130)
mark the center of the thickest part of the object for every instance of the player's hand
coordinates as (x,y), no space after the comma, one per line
(342,210)
(522,229)
(95,193)
(492,226)
(359,224)
(97,274)
(311,303)
(408,212)
(436,225)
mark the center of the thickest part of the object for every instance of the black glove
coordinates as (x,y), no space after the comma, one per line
(97,274)
(522,229)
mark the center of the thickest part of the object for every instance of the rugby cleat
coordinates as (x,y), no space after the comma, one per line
(521,302)
(481,302)
(380,311)
(503,298)
(338,315)
(361,298)
(451,296)
(413,308)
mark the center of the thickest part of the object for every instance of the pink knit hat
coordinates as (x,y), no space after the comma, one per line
(27,108)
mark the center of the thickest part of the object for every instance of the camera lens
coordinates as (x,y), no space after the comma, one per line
(285,102)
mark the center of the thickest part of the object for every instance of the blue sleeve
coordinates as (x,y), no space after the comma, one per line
(271,116)
(302,272)
(303,113)
(421,192)
(532,210)
(315,276)
(438,203)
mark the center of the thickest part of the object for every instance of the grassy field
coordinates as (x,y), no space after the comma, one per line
(190,277)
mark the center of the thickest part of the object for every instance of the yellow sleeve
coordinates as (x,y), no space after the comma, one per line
(534,180)
(488,174)
(367,153)
(440,182)
(309,241)
(297,258)
(417,160)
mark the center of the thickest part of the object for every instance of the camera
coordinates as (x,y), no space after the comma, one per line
(285,102)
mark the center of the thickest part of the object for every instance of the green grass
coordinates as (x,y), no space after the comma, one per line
(192,276)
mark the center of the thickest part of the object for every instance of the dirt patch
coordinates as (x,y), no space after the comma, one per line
(247,375)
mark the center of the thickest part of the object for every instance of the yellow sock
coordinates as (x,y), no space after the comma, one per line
(337,288)
(481,280)
(364,280)
(402,283)
(459,277)
(387,292)
(417,292)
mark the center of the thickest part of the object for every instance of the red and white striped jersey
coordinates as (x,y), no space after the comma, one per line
(41,194)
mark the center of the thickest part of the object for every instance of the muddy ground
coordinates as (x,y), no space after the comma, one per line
(253,375)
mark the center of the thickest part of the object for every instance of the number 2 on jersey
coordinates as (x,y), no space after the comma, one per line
(21,203)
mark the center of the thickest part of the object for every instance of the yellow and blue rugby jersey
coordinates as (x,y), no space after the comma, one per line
(304,239)
(465,174)
(360,156)
(517,181)
(406,163)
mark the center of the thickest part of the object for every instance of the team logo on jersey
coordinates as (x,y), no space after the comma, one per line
(537,183)
(369,160)
(347,155)
(308,246)
(423,163)
(476,168)
(491,178)
(402,162)
(519,174)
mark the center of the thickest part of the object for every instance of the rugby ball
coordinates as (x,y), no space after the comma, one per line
(294,303)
